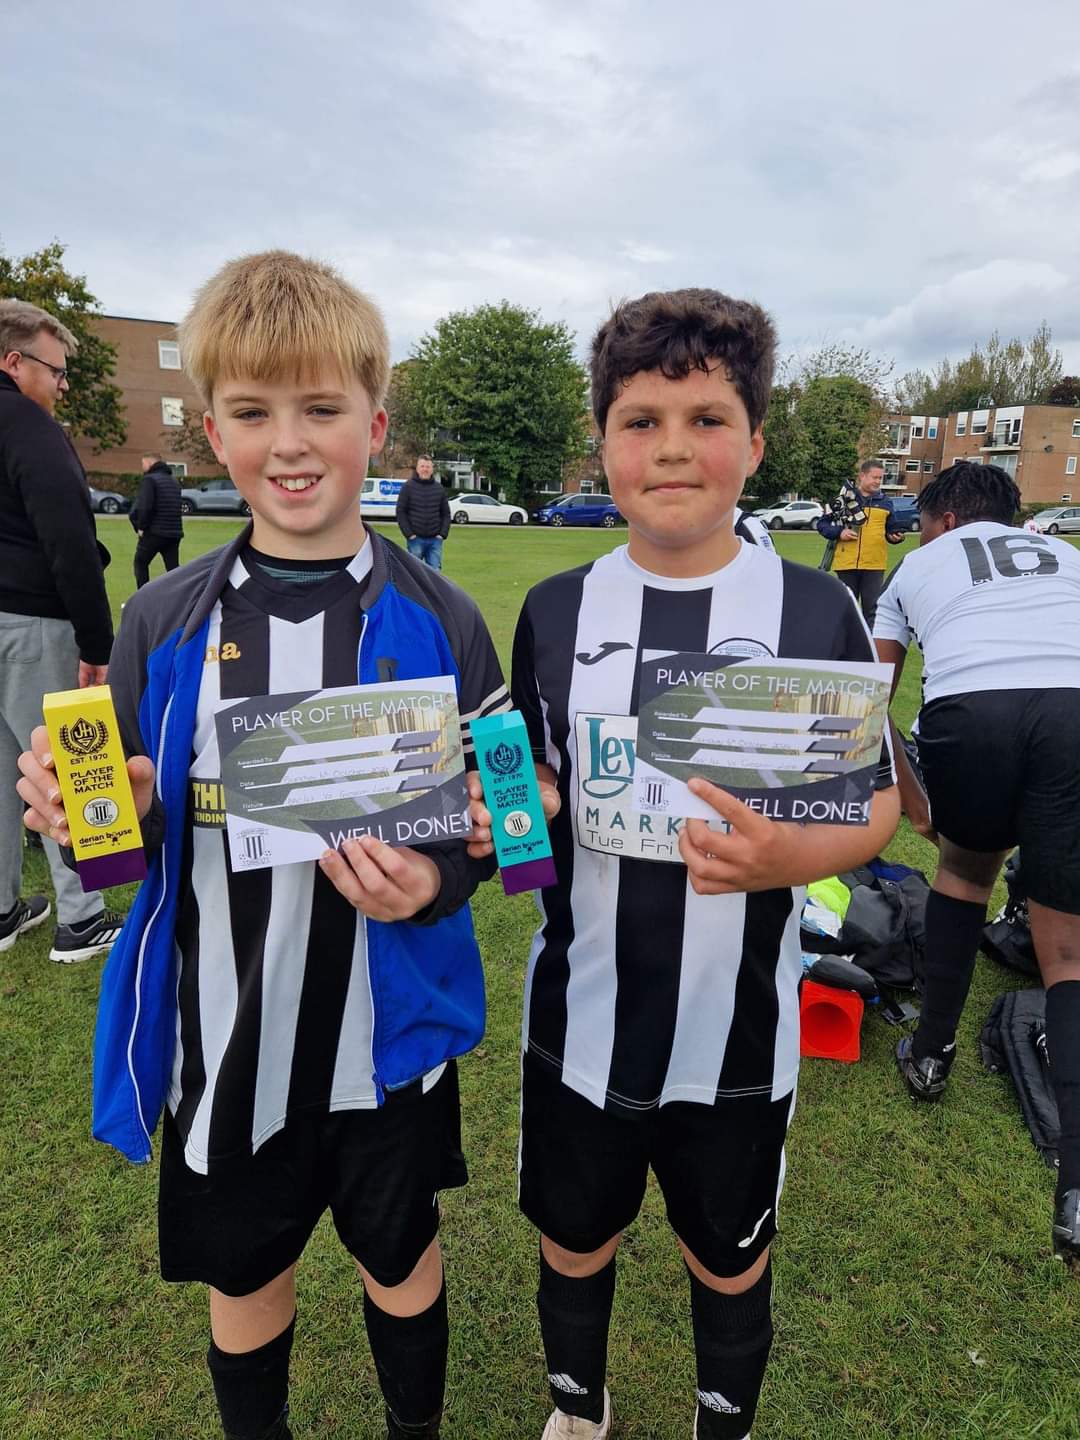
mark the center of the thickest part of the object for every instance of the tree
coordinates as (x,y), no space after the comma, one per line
(189,440)
(93,407)
(408,434)
(1017,372)
(1065,392)
(506,386)
(785,470)
(872,372)
(837,411)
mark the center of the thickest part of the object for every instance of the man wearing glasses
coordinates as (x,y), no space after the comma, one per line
(55,623)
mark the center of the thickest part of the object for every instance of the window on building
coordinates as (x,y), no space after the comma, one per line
(168,354)
(931,430)
(1070,465)
(1076,429)
(1006,463)
(916,432)
(961,424)
(178,468)
(979,422)
(928,467)
(911,466)
(172,410)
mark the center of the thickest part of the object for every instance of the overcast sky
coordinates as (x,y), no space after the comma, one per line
(909,182)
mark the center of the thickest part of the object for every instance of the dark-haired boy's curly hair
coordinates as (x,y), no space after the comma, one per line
(971,491)
(676,331)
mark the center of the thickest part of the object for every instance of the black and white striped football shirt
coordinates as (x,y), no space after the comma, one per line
(639,990)
(275,1008)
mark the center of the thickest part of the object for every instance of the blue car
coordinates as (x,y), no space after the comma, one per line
(579,510)
(905,515)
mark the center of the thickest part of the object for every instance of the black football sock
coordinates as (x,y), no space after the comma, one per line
(953,931)
(732,1338)
(410,1356)
(574,1319)
(1063,1047)
(252,1388)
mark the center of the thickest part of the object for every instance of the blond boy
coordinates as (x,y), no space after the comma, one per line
(299,1024)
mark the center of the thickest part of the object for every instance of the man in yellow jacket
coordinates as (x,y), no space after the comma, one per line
(860,523)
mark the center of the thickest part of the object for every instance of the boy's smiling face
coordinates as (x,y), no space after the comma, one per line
(677,454)
(298,453)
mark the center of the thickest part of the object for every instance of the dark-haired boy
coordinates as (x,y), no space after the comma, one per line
(996,613)
(299,1023)
(661,1016)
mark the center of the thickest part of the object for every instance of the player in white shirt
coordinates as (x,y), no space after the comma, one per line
(996,613)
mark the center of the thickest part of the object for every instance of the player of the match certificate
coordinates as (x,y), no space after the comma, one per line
(794,740)
(304,772)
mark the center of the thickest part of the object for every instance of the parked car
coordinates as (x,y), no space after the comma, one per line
(476,508)
(905,514)
(795,515)
(109,502)
(214,497)
(1062,518)
(579,510)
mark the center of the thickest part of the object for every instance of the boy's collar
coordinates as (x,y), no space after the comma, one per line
(222,569)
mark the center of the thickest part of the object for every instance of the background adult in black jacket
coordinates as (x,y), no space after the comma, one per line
(157,518)
(55,623)
(423,513)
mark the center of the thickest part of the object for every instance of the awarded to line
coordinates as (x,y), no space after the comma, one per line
(794,740)
(304,772)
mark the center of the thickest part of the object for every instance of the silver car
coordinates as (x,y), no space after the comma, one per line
(1062,518)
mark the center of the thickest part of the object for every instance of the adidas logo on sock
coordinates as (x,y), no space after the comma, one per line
(567,1385)
(713,1400)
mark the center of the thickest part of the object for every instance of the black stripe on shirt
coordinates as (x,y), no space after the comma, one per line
(554,666)
(748,1058)
(652,898)
(327,968)
(249,900)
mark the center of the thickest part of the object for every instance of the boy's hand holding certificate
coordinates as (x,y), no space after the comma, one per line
(793,740)
(305,772)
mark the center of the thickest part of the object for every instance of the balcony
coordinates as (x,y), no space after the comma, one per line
(1001,440)
(897,440)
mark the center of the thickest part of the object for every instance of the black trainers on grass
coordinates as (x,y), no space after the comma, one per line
(926,1078)
(83,941)
(24,915)
(1067,1228)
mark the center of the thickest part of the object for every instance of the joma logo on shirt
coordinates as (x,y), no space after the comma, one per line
(228,651)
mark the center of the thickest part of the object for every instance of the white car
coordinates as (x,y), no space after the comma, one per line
(795,515)
(1062,519)
(480,509)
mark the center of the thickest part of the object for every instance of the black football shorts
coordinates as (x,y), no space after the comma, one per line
(1002,768)
(720,1167)
(378,1171)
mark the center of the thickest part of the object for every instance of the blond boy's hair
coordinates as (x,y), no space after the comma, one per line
(278,315)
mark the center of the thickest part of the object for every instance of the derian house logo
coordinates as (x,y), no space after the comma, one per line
(505,759)
(84,737)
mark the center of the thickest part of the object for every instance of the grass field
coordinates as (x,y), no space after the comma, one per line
(915,1296)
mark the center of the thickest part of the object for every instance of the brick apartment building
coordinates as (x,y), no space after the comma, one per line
(156,394)
(1039,445)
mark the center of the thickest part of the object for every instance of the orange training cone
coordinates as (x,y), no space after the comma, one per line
(829,1022)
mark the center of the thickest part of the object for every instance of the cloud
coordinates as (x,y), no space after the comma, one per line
(562,156)
(1009,295)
